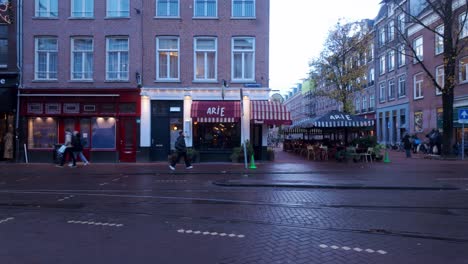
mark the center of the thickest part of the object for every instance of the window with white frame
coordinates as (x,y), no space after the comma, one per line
(243,59)
(46,59)
(382,64)
(401,23)
(167,61)
(463,25)
(117,60)
(463,69)
(47,8)
(118,8)
(371,102)
(439,39)
(82,59)
(205,58)
(418,49)
(382,35)
(418,86)
(391,30)
(391,90)
(370,56)
(364,103)
(205,8)
(401,55)
(440,78)
(371,76)
(382,92)
(82,8)
(243,8)
(402,86)
(167,8)
(391,60)
(357,105)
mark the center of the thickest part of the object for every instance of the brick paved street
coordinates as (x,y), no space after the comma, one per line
(290,211)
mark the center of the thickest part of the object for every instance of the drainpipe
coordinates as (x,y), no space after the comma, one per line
(19,66)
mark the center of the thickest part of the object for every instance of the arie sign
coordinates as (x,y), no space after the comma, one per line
(215,111)
(340,117)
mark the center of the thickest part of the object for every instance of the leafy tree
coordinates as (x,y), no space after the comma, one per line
(341,65)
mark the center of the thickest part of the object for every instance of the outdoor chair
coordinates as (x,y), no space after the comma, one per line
(368,154)
(310,152)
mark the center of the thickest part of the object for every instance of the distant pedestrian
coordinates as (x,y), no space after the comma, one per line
(68,150)
(407,145)
(77,143)
(181,151)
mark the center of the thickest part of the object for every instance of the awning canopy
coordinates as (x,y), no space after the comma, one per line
(340,119)
(272,113)
(334,119)
(215,111)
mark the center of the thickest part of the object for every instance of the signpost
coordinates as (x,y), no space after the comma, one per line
(463,119)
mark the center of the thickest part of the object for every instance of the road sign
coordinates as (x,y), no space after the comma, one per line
(463,116)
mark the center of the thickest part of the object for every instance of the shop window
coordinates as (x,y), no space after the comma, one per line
(103,133)
(52,108)
(108,108)
(213,136)
(35,108)
(42,132)
(71,108)
(127,108)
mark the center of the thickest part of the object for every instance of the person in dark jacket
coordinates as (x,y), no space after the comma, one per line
(77,143)
(407,145)
(181,151)
(69,150)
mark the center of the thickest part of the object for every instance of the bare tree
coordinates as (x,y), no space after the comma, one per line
(443,14)
(342,62)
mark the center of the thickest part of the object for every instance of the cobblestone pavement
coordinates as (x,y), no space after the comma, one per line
(127,213)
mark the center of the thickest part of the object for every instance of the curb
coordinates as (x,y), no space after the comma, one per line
(230,183)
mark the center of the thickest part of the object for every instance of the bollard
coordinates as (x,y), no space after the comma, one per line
(386,159)
(252,163)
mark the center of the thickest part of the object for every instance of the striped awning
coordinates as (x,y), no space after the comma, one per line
(215,111)
(340,119)
(272,113)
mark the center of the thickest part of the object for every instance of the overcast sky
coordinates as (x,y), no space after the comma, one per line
(298,29)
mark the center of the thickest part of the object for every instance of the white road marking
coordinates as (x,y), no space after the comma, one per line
(452,179)
(65,198)
(6,220)
(104,183)
(116,179)
(197,232)
(94,223)
(170,181)
(368,250)
(22,179)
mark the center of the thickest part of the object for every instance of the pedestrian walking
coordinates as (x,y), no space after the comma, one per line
(68,149)
(181,151)
(407,145)
(78,147)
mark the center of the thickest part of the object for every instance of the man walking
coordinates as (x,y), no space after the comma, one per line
(181,151)
(407,145)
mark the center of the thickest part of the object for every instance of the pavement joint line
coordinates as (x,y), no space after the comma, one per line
(197,232)
(94,223)
(6,220)
(357,249)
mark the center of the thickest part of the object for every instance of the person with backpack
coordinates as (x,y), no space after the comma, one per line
(68,149)
(78,148)
(407,145)
(181,151)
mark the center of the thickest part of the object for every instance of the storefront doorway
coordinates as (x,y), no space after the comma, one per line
(127,144)
(166,121)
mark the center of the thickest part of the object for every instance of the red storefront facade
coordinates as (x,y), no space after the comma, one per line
(107,121)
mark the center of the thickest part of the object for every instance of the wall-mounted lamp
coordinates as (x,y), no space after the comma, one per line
(138,79)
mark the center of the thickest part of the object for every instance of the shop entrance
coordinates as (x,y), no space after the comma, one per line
(127,144)
(166,121)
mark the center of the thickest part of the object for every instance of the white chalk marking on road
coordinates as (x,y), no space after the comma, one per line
(197,232)
(93,223)
(65,198)
(6,220)
(116,179)
(104,183)
(22,179)
(369,250)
